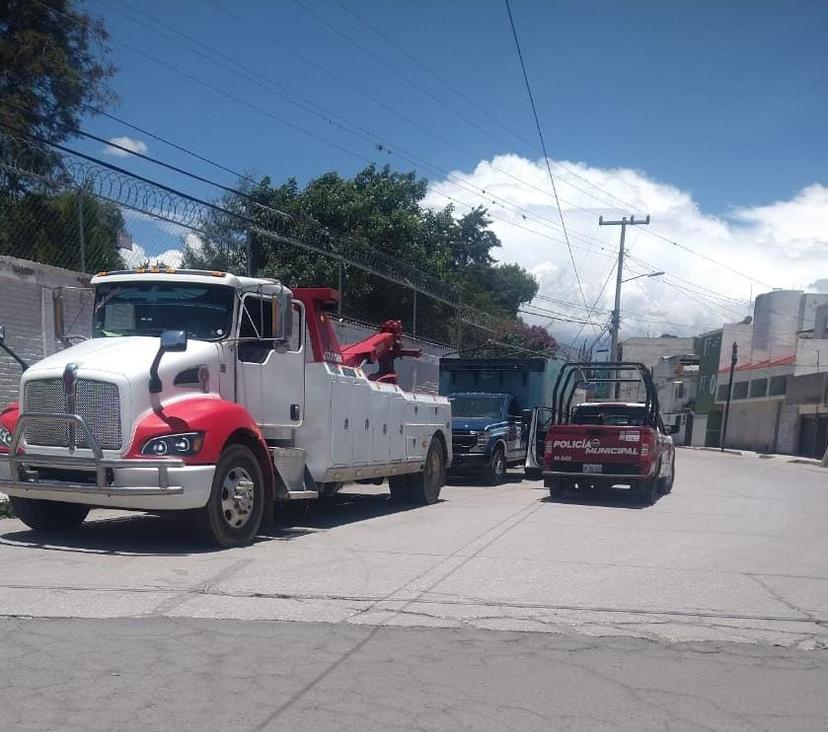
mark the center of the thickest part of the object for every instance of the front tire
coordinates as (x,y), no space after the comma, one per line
(49,516)
(496,470)
(666,484)
(425,486)
(234,511)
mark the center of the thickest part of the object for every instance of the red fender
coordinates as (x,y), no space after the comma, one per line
(8,418)
(216,418)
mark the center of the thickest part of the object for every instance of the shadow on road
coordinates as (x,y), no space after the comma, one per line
(606,497)
(476,480)
(171,534)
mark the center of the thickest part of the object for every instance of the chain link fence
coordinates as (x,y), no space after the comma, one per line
(79,214)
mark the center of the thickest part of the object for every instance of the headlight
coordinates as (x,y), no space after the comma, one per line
(5,437)
(186,443)
(483,439)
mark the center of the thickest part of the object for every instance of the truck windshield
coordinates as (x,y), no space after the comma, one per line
(205,312)
(619,416)
(475,406)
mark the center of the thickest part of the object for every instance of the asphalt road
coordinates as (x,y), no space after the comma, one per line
(495,608)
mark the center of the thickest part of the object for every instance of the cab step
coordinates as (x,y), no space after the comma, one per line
(290,465)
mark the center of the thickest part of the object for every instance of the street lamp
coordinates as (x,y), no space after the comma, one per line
(648,274)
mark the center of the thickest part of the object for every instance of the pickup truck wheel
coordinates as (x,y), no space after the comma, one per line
(496,470)
(400,487)
(648,491)
(234,511)
(533,473)
(48,515)
(425,487)
(666,484)
(556,486)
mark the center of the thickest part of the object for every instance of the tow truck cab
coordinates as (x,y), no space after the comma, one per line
(215,393)
(601,444)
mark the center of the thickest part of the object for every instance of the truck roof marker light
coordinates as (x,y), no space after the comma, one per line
(216,273)
(140,270)
(102,274)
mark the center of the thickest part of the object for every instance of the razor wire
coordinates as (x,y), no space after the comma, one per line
(34,161)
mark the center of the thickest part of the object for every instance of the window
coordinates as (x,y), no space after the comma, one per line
(721,396)
(295,343)
(256,328)
(778,385)
(740,390)
(205,312)
(758,388)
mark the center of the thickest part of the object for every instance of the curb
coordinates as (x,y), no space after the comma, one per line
(762,456)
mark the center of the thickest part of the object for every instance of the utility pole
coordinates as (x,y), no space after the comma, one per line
(619,275)
(734,356)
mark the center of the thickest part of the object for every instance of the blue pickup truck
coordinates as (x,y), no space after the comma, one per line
(496,404)
(488,433)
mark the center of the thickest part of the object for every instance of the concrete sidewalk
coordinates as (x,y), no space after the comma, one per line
(762,455)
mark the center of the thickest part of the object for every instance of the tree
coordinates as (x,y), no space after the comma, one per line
(44,228)
(53,67)
(377,212)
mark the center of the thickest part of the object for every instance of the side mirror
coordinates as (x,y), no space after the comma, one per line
(673,429)
(172,341)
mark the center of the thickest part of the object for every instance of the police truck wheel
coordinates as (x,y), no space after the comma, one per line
(425,486)
(666,484)
(234,511)
(49,516)
(648,491)
(496,471)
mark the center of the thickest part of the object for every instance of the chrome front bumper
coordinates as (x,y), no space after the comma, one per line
(23,467)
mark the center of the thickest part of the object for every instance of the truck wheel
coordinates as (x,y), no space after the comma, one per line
(556,486)
(496,470)
(234,511)
(666,484)
(425,487)
(400,487)
(648,491)
(48,515)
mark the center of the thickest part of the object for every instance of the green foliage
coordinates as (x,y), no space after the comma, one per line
(52,64)
(6,510)
(44,228)
(383,210)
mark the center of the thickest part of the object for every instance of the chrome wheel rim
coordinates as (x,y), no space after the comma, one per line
(499,468)
(237,497)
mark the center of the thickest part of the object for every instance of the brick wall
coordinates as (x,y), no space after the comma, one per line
(26,309)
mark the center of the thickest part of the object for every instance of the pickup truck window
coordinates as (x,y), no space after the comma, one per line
(476,406)
(612,416)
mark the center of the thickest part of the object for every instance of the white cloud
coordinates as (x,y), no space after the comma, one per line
(130,143)
(783,244)
(137,256)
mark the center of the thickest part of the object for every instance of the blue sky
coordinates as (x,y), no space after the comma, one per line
(725,100)
(711,116)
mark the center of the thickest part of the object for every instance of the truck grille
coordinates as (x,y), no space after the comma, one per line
(463,443)
(97,402)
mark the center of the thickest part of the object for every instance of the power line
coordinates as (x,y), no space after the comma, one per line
(543,148)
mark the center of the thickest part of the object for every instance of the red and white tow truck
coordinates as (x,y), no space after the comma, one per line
(221,395)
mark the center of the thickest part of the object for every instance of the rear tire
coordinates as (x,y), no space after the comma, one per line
(425,486)
(233,514)
(496,470)
(49,516)
(533,473)
(648,491)
(555,486)
(666,484)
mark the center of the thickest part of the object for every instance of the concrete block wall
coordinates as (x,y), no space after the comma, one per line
(27,311)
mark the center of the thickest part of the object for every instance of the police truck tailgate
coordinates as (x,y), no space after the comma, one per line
(599,450)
